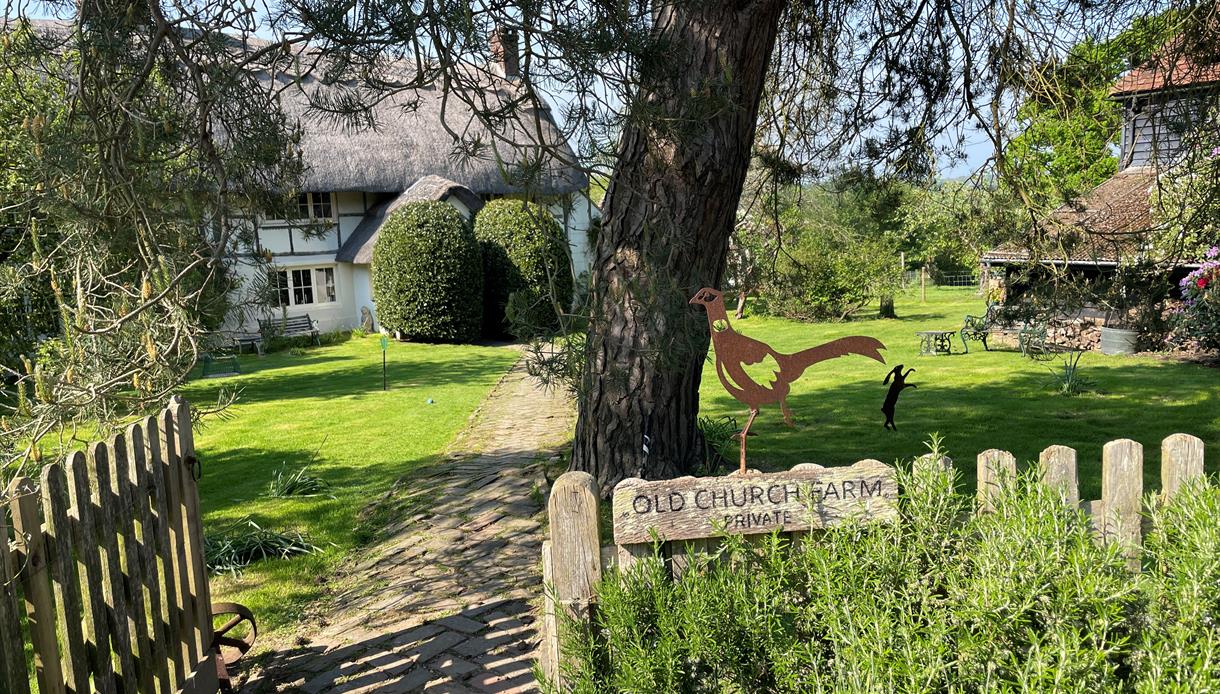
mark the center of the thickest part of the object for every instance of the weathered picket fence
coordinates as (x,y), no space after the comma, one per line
(679,512)
(106,554)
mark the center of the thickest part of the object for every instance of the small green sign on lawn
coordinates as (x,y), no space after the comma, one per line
(385,344)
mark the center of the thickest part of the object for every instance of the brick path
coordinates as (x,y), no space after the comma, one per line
(446,603)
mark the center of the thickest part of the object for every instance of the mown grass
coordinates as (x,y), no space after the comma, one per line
(977,401)
(325,409)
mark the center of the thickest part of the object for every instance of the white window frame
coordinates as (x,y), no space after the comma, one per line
(321,291)
(315,202)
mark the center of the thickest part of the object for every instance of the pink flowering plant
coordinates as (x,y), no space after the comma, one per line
(1200,315)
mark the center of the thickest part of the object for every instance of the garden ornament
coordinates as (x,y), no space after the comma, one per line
(735,351)
(891,398)
(226,647)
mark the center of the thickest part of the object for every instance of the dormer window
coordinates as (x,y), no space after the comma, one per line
(314,206)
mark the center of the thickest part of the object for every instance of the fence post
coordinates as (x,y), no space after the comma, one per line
(84,538)
(928,464)
(101,472)
(996,469)
(575,548)
(56,500)
(197,574)
(1181,461)
(36,585)
(13,674)
(1058,465)
(1122,489)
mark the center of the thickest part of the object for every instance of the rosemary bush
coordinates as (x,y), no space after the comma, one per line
(1021,599)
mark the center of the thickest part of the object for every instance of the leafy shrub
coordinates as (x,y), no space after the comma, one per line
(825,277)
(1020,599)
(1199,318)
(428,274)
(526,268)
(245,542)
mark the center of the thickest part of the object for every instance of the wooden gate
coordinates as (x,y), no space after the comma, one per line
(103,569)
(573,559)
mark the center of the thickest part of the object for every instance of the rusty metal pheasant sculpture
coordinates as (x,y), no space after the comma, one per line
(735,351)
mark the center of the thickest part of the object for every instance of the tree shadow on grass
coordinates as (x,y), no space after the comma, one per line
(352,376)
(1019,412)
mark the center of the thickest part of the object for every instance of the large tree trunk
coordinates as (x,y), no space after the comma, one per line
(669,211)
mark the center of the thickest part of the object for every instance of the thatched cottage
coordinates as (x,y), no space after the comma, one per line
(355,177)
(1113,223)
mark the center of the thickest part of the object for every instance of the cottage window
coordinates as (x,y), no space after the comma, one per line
(304,286)
(314,206)
(324,280)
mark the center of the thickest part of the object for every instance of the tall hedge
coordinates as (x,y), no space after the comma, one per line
(526,268)
(428,274)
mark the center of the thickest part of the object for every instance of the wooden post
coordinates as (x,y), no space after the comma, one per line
(184,612)
(923,285)
(1058,469)
(629,554)
(106,529)
(575,546)
(928,464)
(1122,489)
(36,586)
(13,674)
(84,538)
(197,572)
(154,441)
(68,602)
(144,492)
(996,470)
(125,514)
(1181,461)
(548,652)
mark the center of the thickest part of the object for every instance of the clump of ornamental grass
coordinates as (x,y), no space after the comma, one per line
(1021,598)
(719,440)
(286,482)
(244,542)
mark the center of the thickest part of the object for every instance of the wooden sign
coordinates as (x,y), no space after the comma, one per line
(808,496)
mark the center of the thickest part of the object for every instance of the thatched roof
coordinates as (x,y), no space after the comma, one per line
(358,248)
(409,140)
(1106,225)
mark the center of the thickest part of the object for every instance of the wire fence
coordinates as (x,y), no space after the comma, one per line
(910,278)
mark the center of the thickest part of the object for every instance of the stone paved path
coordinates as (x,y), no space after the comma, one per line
(446,602)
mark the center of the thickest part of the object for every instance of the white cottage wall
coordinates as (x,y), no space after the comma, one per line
(576,212)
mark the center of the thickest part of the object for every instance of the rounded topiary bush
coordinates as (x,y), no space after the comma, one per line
(428,274)
(525,266)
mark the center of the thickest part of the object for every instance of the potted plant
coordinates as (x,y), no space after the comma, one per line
(1133,307)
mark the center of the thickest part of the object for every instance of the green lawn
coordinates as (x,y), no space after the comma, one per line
(328,401)
(976,401)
